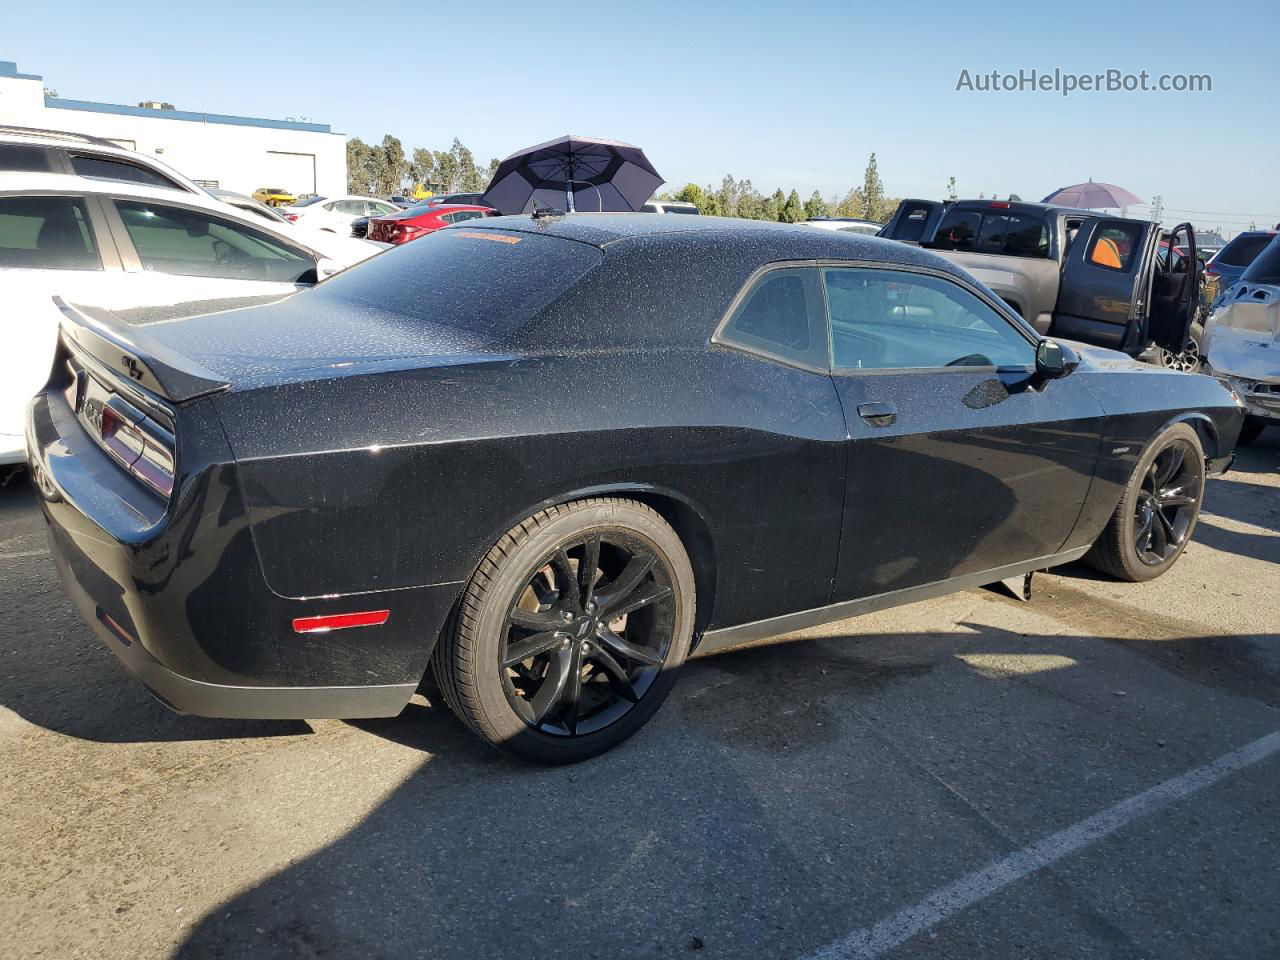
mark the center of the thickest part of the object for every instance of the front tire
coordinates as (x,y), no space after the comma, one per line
(571,631)
(1158,510)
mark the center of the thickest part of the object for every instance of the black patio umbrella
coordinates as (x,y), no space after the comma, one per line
(573,173)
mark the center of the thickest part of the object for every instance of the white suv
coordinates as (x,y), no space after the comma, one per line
(145,251)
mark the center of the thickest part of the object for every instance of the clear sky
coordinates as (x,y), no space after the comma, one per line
(791,94)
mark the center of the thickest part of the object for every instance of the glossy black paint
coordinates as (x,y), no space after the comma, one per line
(366,458)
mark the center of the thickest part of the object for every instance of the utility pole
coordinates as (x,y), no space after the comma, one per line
(1157,208)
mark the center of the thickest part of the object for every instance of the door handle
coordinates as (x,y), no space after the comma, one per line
(878,414)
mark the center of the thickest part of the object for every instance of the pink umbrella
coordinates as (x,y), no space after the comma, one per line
(1093,196)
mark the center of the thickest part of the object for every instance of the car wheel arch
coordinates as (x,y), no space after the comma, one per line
(687,517)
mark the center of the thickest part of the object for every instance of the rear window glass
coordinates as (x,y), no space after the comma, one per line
(1013,235)
(46,233)
(489,283)
(19,156)
(958,230)
(1266,266)
(1241,251)
(1006,233)
(106,169)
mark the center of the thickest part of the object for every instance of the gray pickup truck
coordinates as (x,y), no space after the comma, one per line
(1075,274)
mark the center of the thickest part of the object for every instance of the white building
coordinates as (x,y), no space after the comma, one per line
(234,153)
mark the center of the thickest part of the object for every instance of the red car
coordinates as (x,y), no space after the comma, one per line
(420,220)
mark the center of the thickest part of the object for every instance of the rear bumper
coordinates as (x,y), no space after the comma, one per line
(180,597)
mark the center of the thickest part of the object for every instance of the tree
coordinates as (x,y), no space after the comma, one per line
(852,205)
(391,167)
(873,193)
(815,206)
(362,167)
(749,203)
(692,193)
(773,206)
(951,189)
(792,209)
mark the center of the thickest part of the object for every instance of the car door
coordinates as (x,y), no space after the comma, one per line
(1105,290)
(183,259)
(960,461)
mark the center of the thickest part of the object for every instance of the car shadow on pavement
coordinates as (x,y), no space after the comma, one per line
(729,813)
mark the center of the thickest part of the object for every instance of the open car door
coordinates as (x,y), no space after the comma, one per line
(1175,291)
(1106,286)
(914,221)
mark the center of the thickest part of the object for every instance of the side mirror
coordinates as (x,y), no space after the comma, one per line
(1054,361)
(327,268)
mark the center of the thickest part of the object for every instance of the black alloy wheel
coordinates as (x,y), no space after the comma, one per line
(1158,509)
(1167,503)
(587,635)
(569,635)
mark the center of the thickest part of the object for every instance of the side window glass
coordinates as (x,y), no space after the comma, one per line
(46,233)
(1114,247)
(892,319)
(106,169)
(782,316)
(20,156)
(192,243)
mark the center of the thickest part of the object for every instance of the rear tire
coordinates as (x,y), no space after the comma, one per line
(604,641)
(1158,509)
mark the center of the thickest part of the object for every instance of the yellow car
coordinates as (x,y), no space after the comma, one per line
(274,196)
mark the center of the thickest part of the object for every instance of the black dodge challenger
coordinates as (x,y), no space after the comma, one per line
(546,458)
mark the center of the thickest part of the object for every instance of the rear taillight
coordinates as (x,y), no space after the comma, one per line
(135,441)
(291,217)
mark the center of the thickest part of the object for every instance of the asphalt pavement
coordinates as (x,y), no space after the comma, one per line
(1095,773)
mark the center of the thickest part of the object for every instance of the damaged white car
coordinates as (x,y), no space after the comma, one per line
(1242,341)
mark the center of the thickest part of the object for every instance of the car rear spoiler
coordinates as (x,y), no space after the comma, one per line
(127,351)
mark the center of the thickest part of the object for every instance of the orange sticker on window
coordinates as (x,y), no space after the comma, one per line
(477,235)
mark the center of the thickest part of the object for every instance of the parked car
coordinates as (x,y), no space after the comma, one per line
(404,203)
(248,204)
(274,196)
(155,251)
(451,199)
(332,245)
(1242,340)
(28,150)
(1070,273)
(416,476)
(336,214)
(1232,260)
(847,224)
(670,206)
(419,221)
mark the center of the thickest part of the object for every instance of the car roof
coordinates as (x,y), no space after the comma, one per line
(770,240)
(83,143)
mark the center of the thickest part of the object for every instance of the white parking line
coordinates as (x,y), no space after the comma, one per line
(880,938)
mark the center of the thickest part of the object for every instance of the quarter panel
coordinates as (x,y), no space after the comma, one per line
(419,472)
